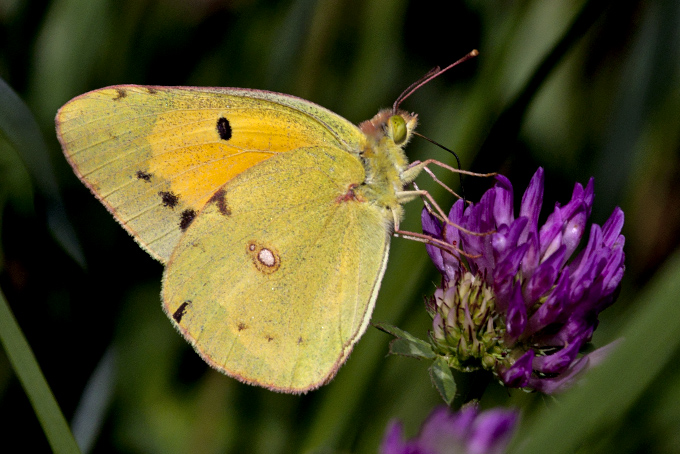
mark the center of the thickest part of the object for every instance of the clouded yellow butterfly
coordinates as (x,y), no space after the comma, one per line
(272,216)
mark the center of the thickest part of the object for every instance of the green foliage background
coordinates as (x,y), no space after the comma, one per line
(582,88)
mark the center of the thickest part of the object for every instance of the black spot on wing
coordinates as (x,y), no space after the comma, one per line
(151,90)
(221,201)
(169,198)
(181,310)
(141,175)
(241,326)
(186,219)
(121,94)
(224,128)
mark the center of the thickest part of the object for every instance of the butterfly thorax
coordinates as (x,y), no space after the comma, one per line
(384,159)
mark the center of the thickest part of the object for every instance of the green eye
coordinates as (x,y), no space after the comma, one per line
(397,127)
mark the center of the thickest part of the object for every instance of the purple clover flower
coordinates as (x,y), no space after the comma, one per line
(517,302)
(467,431)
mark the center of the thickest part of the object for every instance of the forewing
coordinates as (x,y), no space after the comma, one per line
(276,278)
(155,155)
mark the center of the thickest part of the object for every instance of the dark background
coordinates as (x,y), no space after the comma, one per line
(582,88)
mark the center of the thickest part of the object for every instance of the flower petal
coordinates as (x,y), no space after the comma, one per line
(544,277)
(516,315)
(589,196)
(455,217)
(557,362)
(578,267)
(503,206)
(568,378)
(533,198)
(573,230)
(517,375)
(452,236)
(574,329)
(550,235)
(613,271)
(612,227)
(393,440)
(492,432)
(504,276)
(551,309)
(432,227)
(505,240)
(479,218)
(532,257)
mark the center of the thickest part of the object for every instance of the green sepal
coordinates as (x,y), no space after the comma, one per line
(406,347)
(405,343)
(442,378)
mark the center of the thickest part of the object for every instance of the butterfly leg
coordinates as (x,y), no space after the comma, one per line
(429,202)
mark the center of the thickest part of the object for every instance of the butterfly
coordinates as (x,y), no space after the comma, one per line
(272,215)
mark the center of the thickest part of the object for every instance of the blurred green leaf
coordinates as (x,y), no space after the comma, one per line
(95,401)
(21,130)
(33,381)
(67,48)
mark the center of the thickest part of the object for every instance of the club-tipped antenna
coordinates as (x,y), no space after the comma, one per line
(431,74)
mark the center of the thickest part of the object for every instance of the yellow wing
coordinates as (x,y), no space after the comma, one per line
(155,155)
(275,280)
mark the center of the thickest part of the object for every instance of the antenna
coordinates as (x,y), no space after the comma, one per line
(431,74)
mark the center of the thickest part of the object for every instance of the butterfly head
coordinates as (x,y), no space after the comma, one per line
(395,126)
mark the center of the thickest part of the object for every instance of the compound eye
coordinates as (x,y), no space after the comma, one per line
(397,128)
